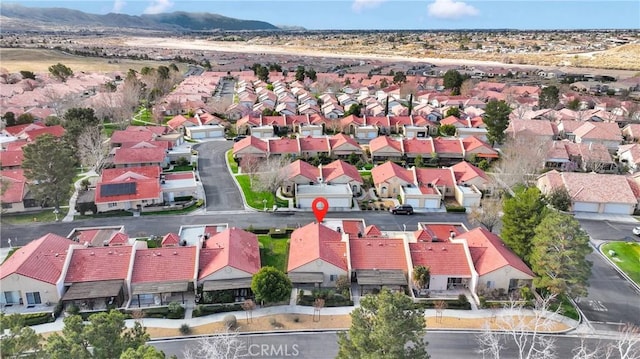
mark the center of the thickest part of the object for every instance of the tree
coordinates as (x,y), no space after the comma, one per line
(250,164)
(384,326)
(24,119)
(143,352)
(28,75)
(549,97)
(487,214)
(93,148)
(559,198)
(419,161)
(354,109)
(271,285)
(384,83)
(248,306)
(49,162)
(452,79)
(311,74)
(271,173)
(421,276)
(574,104)
(522,328)
(522,157)
(106,334)
(558,255)
(300,73)
(60,71)
(522,214)
(224,345)
(76,120)
(9,118)
(496,118)
(263,73)
(625,346)
(447,130)
(399,77)
(453,111)
(18,340)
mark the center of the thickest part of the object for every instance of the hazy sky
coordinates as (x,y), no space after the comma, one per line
(390,14)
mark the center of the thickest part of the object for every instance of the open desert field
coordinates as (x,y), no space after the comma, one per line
(39,60)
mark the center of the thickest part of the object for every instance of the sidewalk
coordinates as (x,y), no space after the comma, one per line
(72,201)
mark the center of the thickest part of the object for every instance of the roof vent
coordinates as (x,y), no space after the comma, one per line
(429,248)
(380,244)
(175,253)
(92,254)
(368,243)
(444,249)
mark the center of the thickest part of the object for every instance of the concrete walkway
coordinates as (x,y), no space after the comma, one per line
(74,197)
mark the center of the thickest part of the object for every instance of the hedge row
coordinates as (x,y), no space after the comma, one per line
(203,310)
(335,301)
(32,318)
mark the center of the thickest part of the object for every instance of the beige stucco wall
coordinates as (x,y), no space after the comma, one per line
(501,277)
(22,284)
(227,272)
(328,269)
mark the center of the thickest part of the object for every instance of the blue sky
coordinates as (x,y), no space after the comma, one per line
(390,14)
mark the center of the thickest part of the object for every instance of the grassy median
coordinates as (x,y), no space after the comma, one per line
(626,256)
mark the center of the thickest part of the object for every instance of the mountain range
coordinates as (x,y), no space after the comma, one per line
(18,17)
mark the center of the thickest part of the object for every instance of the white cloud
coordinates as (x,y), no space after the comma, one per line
(359,5)
(118,5)
(158,6)
(451,9)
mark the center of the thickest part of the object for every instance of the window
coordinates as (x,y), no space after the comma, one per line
(489,284)
(333,277)
(6,205)
(33,298)
(113,204)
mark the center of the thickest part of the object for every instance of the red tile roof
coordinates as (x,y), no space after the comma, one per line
(342,139)
(489,253)
(380,121)
(232,247)
(351,119)
(372,231)
(340,168)
(435,176)
(320,144)
(119,239)
(465,172)
(388,170)
(316,241)
(16,186)
(301,168)
(419,146)
(352,227)
(158,130)
(180,120)
(11,158)
(250,141)
(170,240)
(381,142)
(283,146)
(442,232)
(98,264)
(41,259)
(56,131)
(147,181)
(441,258)
(20,129)
(139,155)
(448,145)
(376,253)
(164,265)
(400,120)
(119,137)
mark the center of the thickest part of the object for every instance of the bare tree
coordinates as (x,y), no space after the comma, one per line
(440,306)
(523,156)
(93,148)
(625,346)
(467,87)
(524,329)
(249,305)
(271,173)
(318,304)
(223,345)
(219,105)
(487,214)
(250,164)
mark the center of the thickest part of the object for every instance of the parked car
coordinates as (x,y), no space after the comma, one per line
(402,209)
(238,138)
(636,231)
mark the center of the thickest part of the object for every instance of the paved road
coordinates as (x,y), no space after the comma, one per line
(611,299)
(161,225)
(220,189)
(445,345)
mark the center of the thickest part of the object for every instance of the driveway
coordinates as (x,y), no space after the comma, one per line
(611,298)
(219,187)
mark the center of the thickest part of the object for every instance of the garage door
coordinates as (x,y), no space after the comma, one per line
(305,202)
(339,202)
(413,202)
(618,208)
(431,203)
(196,135)
(585,207)
(372,135)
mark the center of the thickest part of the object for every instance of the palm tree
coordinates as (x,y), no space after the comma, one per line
(421,276)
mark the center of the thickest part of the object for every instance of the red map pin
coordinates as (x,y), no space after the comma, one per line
(320,207)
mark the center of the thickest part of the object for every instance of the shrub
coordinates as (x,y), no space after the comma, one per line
(72,309)
(37,318)
(185,329)
(57,310)
(296,319)
(230,321)
(462,299)
(456,209)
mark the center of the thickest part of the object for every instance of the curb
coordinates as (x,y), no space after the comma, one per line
(233,175)
(635,286)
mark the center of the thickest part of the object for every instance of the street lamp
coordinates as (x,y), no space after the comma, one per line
(55,211)
(264,203)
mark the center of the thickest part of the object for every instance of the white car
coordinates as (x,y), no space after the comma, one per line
(636,231)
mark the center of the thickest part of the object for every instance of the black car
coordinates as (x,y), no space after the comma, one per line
(239,138)
(402,209)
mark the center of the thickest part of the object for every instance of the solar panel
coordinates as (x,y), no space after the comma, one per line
(117,189)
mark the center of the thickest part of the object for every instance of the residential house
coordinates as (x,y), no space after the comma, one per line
(149,155)
(317,255)
(568,156)
(474,147)
(449,150)
(314,146)
(378,262)
(343,145)
(15,196)
(386,148)
(631,132)
(449,263)
(251,146)
(607,134)
(629,157)
(128,188)
(389,178)
(228,261)
(31,277)
(542,129)
(592,192)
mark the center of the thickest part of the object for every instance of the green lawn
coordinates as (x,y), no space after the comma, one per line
(626,257)
(186,210)
(181,168)
(232,163)
(274,251)
(254,199)
(44,216)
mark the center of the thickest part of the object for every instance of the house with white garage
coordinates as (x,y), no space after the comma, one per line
(629,156)
(317,256)
(389,179)
(592,192)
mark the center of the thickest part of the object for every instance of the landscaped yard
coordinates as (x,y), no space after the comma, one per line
(626,256)
(44,216)
(274,251)
(232,163)
(255,199)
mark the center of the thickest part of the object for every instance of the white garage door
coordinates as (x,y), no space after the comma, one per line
(431,203)
(413,202)
(618,208)
(305,202)
(585,207)
(196,135)
(339,202)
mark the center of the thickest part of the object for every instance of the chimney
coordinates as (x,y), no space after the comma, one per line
(452,234)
